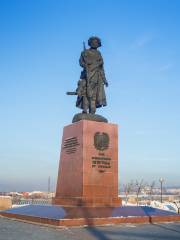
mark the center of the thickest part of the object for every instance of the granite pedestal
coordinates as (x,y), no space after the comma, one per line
(88,169)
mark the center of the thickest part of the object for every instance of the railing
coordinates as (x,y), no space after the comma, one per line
(152,197)
(32,201)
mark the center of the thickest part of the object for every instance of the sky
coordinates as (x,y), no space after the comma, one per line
(40,45)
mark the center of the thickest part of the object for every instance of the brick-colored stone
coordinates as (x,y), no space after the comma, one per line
(79,183)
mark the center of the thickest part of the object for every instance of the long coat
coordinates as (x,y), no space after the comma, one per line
(93,72)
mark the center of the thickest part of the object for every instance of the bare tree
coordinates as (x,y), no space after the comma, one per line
(139,186)
(150,190)
(128,189)
(177,203)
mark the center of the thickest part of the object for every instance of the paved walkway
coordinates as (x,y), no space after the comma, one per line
(14,230)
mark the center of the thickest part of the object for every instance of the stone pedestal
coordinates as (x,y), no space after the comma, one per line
(88,169)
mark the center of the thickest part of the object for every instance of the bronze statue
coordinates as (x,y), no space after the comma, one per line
(90,91)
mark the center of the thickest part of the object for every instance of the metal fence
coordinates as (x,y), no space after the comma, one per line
(41,201)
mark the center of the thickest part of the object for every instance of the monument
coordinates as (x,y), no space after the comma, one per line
(88,170)
(87,183)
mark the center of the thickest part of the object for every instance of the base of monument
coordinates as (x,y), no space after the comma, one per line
(85,216)
(88,202)
(88,116)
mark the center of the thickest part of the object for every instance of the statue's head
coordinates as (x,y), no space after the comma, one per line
(94,42)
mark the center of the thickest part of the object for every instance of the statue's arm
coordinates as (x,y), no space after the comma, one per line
(101,62)
(104,78)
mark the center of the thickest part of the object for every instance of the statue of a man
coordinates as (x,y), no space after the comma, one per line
(90,91)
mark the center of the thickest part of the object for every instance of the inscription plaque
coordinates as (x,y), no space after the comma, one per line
(70,145)
(101,162)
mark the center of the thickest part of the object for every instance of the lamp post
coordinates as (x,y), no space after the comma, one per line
(49,180)
(161,180)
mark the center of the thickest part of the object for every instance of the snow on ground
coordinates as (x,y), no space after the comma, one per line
(19,205)
(128,203)
(168,206)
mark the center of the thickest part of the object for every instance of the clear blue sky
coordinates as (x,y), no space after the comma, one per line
(40,44)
